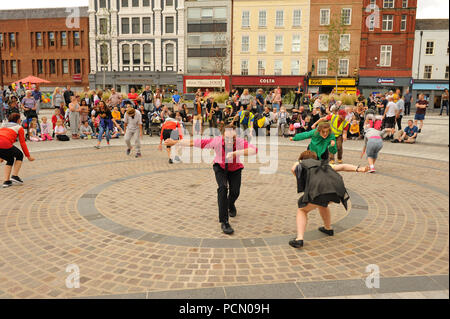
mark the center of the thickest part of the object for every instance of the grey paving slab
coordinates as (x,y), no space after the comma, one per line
(333,288)
(407,284)
(268,291)
(93,217)
(181,241)
(441,280)
(133,233)
(221,243)
(280,240)
(204,293)
(253,242)
(152,237)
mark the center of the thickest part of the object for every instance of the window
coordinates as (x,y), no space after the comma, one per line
(65,67)
(40,67)
(324,16)
(343,67)
(262,43)
(429,49)
(169,25)
(135,3)
(207,39)
(296,43)
(262,19)
(388,21)
(194,13)
(124,3)
(297,18)
(12,40)
(207,13)
(385,55)
(63,38)
(125,54)
(102,3)
(446,73)
(246,19)
(51,39)
(38,39)
(322,67)
(193,40)
(170,54)
(279,42)
(103,54)
(77,66)
(1,40)
(427,71)
(136,54)
(244,67)
(278,67)
(146,25)
(14,67)
(135,25)
(220,13)
(295,67)
(146,3)
(323,42)
(279,21)
(125,25)
(261,67)
(76,38)
(147,54)
(245,45)
(388,3)
(404,3)
(371,22)
(103,25)
(52,66)
(403,23)
(346,16)
(344,42)
(169,3)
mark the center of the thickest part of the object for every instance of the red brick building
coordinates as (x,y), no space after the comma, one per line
(387,45)
(47,43)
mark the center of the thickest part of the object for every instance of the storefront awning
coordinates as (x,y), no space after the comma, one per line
(430,86)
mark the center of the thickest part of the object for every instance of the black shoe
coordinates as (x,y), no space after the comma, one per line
(395,141)
(7,184)
(128,151)
(226,228)
(138,154)
(420,130)
(170,161)
(296,243)
(329,232)
(16,179)
(232,211)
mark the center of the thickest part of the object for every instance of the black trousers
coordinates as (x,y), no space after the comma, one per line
(298,97)
(399,122)
(407,108)
(229,187)
(10,155)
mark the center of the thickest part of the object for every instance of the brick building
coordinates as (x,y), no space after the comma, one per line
(47,43)
(387,45)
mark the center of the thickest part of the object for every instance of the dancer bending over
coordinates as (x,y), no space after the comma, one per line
(322,142)
(227,168)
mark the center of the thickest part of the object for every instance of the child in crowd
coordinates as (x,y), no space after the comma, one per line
(117,117)
(56,116)
(45,130)
(115,132)
(33,135)
(283,118)
(353,132)
(60,131)
(86,131)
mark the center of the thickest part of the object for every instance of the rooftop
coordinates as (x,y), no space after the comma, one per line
(432,24)
(44,13)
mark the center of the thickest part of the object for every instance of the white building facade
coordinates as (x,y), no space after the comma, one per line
(136,42)
(431,59)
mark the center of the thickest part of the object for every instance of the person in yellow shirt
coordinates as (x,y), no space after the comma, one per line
(353,132)
(117,119)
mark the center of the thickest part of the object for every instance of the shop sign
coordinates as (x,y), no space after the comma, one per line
(332,82)
(267,81)
(205,83)
(384,81)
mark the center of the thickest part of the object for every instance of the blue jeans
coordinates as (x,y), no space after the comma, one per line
(444,104)
(102,130)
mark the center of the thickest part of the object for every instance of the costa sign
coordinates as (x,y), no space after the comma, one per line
(255,81)
(267,81)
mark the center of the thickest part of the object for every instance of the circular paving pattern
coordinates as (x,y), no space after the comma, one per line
(100,209)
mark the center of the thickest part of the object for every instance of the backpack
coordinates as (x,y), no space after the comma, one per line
(376,124)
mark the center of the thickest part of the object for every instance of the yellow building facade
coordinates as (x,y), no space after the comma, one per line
(270,38)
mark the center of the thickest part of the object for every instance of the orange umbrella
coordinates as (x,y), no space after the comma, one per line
(32,79)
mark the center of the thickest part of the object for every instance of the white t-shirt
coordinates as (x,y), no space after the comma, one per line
(392,109)
(59,130)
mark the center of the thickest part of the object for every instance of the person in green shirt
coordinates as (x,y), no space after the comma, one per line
(322,142)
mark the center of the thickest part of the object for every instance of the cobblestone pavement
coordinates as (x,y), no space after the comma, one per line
(141,228)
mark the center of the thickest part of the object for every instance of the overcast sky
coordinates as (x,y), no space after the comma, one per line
(427,9)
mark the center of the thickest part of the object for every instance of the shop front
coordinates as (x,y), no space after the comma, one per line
(213,83)
(327,85)
(253,83)
(431,89)
(375,85)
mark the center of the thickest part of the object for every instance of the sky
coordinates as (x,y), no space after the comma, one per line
(427,9)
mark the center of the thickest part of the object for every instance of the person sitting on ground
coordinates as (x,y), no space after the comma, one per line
(117,117)
(32,131)
(86,131)
(60,131)
(45,130)
(353,132)
(407,135)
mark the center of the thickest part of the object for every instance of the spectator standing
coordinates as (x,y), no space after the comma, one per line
(259,101)
(74,117)
(133,96)
(389,115)
(400,111)
(408,101)
(68,95)
(246,99)
(115,99)
(444,102)
(421,109)
(298,95)
(37,95)
(57,98)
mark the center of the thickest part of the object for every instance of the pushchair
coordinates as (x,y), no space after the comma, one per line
(154,124)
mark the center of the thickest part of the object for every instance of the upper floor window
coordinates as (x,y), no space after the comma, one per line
(102,3)
(103,54)
(278,67)
(170,54)
(76,38)
(388,3)
(388,22)
(77,66)
(136,54)
(125,25)
(103,25)
(51,39)
(297,18)
(262,43)
(279,43)
(136,25)
(14,67)
(1,40)
(262,18)
(404,3)
(279,21)
(146,3)
(38,39)
(403,23)
(146,49)
(125,3)
(322,67)
(245,19)
(40,67)
(169,3)
(295,67)
(344,43)
(65,66)
(63,38)
(427,72)
(323,42)
(12,39)
(385,55)
(52,66)
(146,25)
(296,43)
(261,67)
(207,13)
(446,73)
(170,25)
(244,67)
(343,67)
(429,49)
(245,46)
(324,16)
(346,16)
(135,3)
(126,54)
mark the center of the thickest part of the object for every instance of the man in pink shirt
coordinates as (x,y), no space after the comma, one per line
(227,167)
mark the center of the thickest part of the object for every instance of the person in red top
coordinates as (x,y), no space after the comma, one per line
(227,168)
(171,129)
(11,154)
(133,96)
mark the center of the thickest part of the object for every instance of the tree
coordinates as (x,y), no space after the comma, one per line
(222,52)
(336,49)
